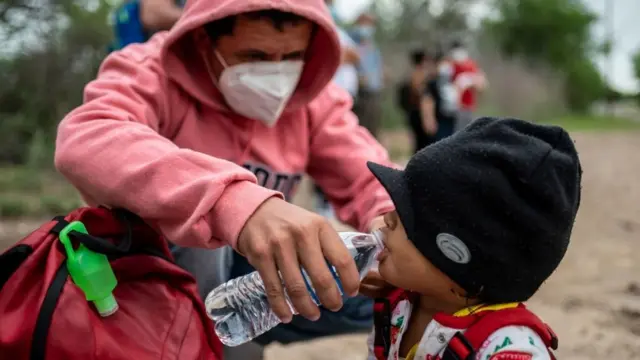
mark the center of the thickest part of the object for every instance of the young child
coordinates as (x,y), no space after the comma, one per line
(482,220)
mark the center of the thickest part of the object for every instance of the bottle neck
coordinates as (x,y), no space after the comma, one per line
(378,237)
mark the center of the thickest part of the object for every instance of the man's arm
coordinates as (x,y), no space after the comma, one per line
(350,53)
(159,15)
(339,151)
(428,112)
(350,56)
(111,148)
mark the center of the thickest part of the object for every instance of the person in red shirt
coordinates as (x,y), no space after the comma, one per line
(468,79)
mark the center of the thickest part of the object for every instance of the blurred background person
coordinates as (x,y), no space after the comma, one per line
(409,97)
(135,21)
(347,78)
(368,102)
(468,80)
(438,105)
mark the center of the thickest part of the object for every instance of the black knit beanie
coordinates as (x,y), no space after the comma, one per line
(491,206)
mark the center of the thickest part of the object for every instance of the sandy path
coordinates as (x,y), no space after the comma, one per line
(592,301)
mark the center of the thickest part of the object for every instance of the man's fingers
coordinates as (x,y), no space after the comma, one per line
(338,255)
(324,284)
(296,287)
(266,266)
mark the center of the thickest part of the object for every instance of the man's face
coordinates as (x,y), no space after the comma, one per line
(257,39)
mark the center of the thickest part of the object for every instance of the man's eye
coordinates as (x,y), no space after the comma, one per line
(256,57)
(294,56)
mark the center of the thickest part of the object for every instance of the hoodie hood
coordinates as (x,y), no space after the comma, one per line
(185,65)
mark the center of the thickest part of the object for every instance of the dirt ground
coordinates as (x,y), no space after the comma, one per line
(592,301)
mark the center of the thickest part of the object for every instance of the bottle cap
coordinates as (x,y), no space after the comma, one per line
(107,306)
(90,271)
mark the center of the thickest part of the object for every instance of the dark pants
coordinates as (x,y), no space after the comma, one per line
(368,109)
(420,138)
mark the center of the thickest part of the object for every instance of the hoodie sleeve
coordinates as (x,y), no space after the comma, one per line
(340,149)
(112,149)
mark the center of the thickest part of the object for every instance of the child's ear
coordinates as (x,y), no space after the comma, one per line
(466,299)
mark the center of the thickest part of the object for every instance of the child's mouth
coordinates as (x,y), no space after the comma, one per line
(382,255)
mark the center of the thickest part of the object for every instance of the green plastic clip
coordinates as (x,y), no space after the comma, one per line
(90,271)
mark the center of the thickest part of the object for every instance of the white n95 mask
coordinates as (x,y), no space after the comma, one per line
(259,90)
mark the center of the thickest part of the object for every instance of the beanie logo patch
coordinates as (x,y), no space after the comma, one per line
(453,248)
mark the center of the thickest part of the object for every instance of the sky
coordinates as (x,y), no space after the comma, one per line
(626,31)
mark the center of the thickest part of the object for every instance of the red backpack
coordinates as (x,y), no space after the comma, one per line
(45,315)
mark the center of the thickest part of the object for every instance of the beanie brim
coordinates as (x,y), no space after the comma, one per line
(395,183)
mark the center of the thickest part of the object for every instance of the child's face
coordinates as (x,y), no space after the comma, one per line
(403,266)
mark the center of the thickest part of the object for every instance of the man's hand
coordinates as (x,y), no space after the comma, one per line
(481,81)
(430,126)
(281,236)
(350,56)
(159,14)
(428,112)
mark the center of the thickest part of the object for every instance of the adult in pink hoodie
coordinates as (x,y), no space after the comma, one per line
(161,135)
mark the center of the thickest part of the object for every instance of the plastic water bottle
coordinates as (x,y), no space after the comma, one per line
(241,311)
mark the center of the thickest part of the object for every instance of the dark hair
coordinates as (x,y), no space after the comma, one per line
(438,55)
(455,44)
(417,57)
(225,26)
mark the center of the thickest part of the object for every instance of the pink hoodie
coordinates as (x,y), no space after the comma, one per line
(154,136)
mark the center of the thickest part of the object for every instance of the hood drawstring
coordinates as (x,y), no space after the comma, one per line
(247,147)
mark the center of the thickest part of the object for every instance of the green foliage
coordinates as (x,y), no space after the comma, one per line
(557,33)
(584,84)
(635,61)
(28,191)
(44,80)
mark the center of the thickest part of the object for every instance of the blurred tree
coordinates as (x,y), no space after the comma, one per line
(54,50)
(635,60)
(557,33)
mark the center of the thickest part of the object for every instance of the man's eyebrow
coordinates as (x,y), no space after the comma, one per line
(296,53)
(251,52)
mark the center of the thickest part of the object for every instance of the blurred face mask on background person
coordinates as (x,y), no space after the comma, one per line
(259,90)
(445,69)
(459,54)
(365,31)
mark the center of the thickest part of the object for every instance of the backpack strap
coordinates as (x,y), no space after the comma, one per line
(382,310)
(465,346)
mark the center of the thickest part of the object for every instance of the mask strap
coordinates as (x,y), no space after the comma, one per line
(207,64)
(224,63)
